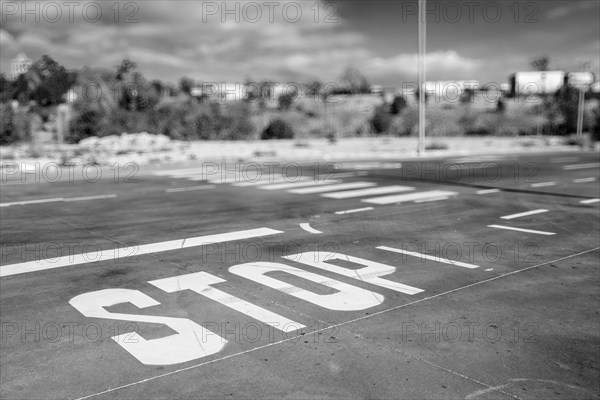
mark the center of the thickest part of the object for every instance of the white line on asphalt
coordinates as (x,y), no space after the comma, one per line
(189,189)
(309,229)
(117,254)
(430,199)
(344,323)
(106,196)
(543,184)
(488,191)
(59,199)
(511,228)
(368,192)
(302,183)
(428,257)
(590,201)
(174,172)
(332,188)
(524,214)
(22,203)
(269,179)
(409,197)
(584,180)
(581,166)
(357,210)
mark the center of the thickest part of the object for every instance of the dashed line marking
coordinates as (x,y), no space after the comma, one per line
(437,194)
(368,192)
(511,228)
(309,229)
(104,196)
(580,166)
(590,201)
(189,189)
(543,184)
(292,185)
(268,180)
(432,199)
(584,180)
(356,210)
(428,257)
(119,253)
(488,191)
(332,188)
(524,214)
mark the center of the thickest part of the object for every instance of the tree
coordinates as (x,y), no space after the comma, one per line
(185,85)
(398,104)
(48,81)
(124,69)
(540,63)
(355,81)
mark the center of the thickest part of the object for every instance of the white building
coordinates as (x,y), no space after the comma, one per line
(537,82)
(19,66)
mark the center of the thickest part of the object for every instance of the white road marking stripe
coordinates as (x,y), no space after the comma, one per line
(584,180)
(428,200)
(428,257)
(189,189)
(543,184)
(524,214)
(302,183)
(269,179)
(106,196)
(357,210)
(590,201)
(59,199)
(309,229)
(488,191)
(368,192)
(22,203)
(581,166)
(103,255)
(510,228)
(332,188)
(409,197)
(175,172)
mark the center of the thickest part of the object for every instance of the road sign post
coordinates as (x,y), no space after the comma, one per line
(422,75)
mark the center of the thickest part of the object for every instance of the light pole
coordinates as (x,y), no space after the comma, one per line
(422,75)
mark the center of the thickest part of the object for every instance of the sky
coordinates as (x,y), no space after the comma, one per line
(298,41)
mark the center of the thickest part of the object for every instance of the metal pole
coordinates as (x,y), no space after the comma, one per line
(580,113)
(422,75)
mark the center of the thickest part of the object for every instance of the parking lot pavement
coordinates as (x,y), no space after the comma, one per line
(373,280)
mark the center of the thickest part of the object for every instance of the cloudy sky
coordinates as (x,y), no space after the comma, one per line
(291,41)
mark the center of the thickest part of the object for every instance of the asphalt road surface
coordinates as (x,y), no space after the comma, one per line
(465,277)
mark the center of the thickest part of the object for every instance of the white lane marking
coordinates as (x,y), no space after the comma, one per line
(428,257)
(119,253)
(581,166)
(543,184)
(302,183)
(511,228)
(430,199)
(584,180)
(58,199)
(524,214)
(269,179)
(409,197)
(590,201)
(489,269)
(357,210)
(332,188)
(309,229)
(106,196)
(189,189)
(564,160)
(368,192)
(201,283)
(22,203)
(488,191)
(329,327)
(174,172)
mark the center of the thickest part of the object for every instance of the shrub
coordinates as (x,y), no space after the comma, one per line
(381,120)
(8,133)
(278,129)
(398,105)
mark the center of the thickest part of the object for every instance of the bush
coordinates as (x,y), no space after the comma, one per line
(398,105)
(8,133)
(278,129)
(381,120)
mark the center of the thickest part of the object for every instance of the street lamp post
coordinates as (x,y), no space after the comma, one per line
(422,76)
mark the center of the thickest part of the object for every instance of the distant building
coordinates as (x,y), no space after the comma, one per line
(449,90)
(19,66)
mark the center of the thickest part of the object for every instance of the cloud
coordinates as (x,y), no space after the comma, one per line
(563,11)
